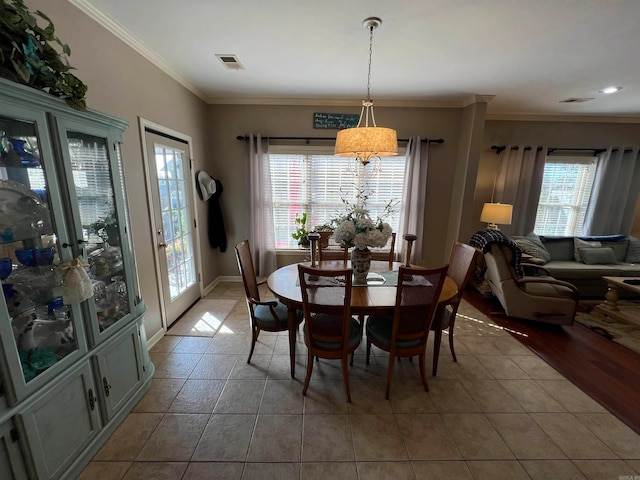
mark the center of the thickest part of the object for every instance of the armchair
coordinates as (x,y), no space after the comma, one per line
(538,298)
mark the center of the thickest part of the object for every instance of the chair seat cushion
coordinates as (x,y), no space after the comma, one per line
(379,329)
(446,319)
(264,318)
(548,290)
(355,332)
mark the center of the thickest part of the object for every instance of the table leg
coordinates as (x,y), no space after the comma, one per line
(611,297)
(293,330)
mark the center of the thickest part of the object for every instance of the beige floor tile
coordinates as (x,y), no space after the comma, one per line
(536,368)
(271,471)
(192,345)
(166,344)
(367,396)
(552,469)
(571,397)
(210,471)
(524,437)
(327,438)
(258,368)
(128,439)
(156,470)
(329,397)
(197,396)
(531,396)
(280,367)
(287,429)
(282,396)
(177,365)
(475,437)
(508,345)
(160,395)
(635,464)
(377,438)
(426,437)
(467,366)
(174,439)
(203,319)
(490,396)
(501,367)
(477,345)
(606,469)
(408,396)
(104,471)
(230,343)
(615,434)
(329,470)
(240,396)
(158,357)
(385,470)
(438,470)
(450,396)
(214,366)
(576,441)
(226,438)
(493,470)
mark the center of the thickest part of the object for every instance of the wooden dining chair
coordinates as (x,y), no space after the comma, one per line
(405,333)
(329,331)
(268,315)
(332,251)
(460,261)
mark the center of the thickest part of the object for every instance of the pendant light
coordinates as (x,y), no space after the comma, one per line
(365,142)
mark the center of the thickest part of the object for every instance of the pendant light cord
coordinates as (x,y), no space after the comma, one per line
(371,27)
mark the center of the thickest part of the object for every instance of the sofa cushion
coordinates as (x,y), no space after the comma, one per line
(566,270)
(597,255)
(532,245)
(560,248)
(633,251)
(579,243)
(619,247)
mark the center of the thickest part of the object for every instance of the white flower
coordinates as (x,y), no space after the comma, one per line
(357,229)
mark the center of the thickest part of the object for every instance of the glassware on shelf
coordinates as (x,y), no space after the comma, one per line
(6,266)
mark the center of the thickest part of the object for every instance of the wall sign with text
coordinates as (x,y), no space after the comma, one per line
(335,120)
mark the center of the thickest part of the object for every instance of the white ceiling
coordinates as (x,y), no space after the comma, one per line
(526,54)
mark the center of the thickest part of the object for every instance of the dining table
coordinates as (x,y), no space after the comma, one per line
(377,296)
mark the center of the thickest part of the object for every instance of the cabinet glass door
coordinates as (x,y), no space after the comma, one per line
(31,267)
(100,215)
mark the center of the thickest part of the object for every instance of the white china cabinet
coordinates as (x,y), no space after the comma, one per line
(73,351)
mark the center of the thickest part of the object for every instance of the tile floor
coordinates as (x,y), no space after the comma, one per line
(500,412)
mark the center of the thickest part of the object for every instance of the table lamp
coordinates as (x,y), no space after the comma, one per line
(496,213)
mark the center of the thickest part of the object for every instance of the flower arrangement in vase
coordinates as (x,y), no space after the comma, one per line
(357,229)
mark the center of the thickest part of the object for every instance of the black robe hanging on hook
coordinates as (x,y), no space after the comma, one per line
(210,191)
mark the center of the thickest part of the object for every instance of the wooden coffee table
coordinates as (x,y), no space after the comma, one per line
(611,308)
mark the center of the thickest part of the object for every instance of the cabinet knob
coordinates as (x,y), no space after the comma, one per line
(92,399)
(106,385)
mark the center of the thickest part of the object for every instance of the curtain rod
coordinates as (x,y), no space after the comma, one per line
(501,148)
(308,139)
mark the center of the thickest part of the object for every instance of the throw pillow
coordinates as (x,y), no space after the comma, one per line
(577,243)
(633,251)
(597,255)
(532,245)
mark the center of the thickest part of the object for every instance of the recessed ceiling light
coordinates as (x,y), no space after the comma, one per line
(610,90)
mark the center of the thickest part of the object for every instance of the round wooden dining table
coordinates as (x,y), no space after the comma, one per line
(365,299)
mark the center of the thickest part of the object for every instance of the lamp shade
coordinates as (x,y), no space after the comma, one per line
(365,143)
(496,213)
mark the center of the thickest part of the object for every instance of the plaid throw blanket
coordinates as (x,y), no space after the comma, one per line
(483,239)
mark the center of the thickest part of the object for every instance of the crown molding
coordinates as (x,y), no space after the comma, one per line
(130,40)
(562,118)
(335,102)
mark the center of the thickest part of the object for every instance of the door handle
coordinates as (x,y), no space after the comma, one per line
(162,245)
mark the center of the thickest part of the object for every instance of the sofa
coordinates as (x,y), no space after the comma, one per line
(583,261)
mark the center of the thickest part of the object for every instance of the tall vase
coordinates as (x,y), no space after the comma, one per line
(361,262)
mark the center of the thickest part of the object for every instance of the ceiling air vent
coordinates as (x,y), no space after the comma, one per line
(576,100)
(230,61)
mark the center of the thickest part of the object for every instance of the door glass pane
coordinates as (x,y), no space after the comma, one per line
(29,261)
(175,218)
(93,181)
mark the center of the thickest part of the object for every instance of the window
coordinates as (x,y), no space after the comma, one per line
(565,193)
(314,181)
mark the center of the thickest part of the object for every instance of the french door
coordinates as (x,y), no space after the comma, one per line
(171,190)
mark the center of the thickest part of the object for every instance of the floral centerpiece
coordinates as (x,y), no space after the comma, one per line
(357,229)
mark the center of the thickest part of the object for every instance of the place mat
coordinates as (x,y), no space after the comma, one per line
(375,279)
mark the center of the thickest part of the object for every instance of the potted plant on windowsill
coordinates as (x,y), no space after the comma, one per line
(325,230)
(301,230)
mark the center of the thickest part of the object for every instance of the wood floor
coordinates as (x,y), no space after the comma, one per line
(605,370)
